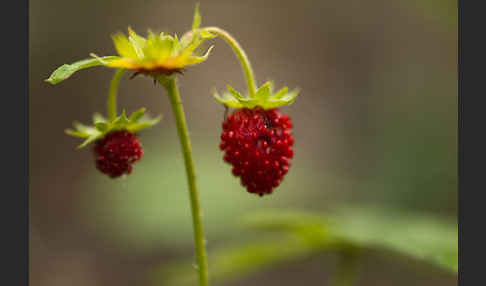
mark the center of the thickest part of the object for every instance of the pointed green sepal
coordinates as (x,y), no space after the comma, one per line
(196,22)
(194,39)
(101,126)
(137,121)
(137,114)
(264,92)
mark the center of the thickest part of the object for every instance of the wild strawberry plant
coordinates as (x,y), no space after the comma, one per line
(257,141)
(257,138)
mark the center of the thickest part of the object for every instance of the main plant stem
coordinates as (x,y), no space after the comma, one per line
(170,84)
(240,53)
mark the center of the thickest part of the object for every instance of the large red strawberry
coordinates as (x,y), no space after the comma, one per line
(257,138)
(258,143)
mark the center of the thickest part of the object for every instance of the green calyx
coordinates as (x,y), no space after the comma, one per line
(264,97)
(137,121)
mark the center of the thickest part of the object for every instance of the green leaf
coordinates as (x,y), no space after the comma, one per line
(421,237)
(303,234)
(66,70)
(236,261)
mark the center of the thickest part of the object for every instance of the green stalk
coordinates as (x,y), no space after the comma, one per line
(113,93)
(170,84)
(240,53)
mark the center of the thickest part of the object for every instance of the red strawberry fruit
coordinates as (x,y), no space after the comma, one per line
(117,152)
(116,147)
(258,143)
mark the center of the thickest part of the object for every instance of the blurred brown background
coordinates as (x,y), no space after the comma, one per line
(376,123)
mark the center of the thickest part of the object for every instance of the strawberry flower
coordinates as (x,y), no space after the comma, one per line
(158,54)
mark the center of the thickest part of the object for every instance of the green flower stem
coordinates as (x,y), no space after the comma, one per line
(170,84)
(113,93)
(240,53)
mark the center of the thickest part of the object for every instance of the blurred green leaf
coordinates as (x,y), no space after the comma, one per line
(302,234)
(422,237)
(235,261)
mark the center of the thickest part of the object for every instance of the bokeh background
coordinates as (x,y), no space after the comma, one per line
(375,124)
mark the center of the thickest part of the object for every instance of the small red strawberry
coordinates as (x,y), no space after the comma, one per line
(258,143)
(117,152)
(116,147)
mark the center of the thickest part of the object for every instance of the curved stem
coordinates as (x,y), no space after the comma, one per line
(113,93)
(240,53)
(170,84)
